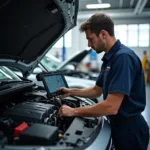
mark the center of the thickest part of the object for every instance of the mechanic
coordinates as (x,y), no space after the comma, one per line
(121,81)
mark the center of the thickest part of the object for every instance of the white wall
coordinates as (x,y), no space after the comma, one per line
(139,51)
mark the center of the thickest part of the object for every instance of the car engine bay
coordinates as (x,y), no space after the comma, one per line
(28,117)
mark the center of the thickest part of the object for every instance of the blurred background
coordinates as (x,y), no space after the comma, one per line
(132,27)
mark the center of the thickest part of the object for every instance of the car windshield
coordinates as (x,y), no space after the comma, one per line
(7,75)
(50,62)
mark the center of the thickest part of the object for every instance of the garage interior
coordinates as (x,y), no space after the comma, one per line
(47,65)
(132,27)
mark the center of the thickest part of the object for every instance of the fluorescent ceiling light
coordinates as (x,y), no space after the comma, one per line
(95,6)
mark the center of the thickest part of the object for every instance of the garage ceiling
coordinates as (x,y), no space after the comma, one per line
(118,9)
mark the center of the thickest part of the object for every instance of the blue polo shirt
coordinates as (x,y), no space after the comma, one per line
(122,72)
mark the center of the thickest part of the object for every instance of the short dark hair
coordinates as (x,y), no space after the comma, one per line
(98,22)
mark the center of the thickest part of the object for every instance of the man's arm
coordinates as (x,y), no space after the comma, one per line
(91,92)
(108,107)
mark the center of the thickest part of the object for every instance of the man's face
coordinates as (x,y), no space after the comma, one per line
(95,42)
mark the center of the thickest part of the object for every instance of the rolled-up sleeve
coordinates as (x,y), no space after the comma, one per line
(122,75)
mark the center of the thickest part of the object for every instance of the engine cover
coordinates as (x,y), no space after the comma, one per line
(30,112)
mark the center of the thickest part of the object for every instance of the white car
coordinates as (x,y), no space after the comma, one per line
(73,66)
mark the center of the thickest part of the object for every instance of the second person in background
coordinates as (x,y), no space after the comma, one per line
(145,64)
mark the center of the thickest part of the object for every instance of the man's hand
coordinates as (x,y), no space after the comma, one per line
(66,111)
(66,92)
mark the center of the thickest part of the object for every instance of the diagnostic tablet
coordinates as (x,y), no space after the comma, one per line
(52,81)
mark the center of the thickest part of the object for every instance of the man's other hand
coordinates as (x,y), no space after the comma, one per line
(66,111)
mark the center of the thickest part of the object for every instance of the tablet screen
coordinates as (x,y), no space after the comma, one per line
(53,82)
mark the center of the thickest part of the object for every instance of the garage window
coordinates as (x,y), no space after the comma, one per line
(143,35)
(133,35)
(121,33)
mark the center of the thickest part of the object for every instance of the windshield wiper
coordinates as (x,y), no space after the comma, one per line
(12,81)
(4,87)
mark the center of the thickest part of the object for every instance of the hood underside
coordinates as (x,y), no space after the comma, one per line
(29,28)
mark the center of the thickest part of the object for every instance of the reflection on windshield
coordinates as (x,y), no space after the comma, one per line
(7,74)
(49,63)
(4,76)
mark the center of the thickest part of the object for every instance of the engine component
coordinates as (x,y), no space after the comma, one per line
(39,134)
(30,112)
(19,129)
(3,139)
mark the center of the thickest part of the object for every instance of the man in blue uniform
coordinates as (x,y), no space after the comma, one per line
(121,81)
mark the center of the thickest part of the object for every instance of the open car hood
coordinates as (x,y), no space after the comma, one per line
(29,28)
(76,58)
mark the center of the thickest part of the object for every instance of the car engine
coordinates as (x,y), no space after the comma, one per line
(28,117)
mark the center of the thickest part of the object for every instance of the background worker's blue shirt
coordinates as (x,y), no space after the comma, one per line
(122,72)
